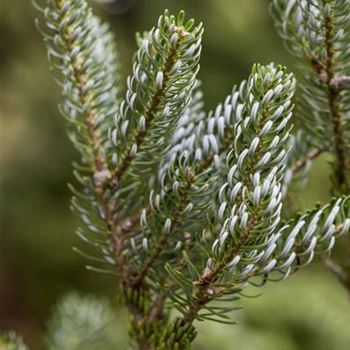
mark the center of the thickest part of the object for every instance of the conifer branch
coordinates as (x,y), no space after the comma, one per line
(185,206)
(338,272)
(149,114)
(167,54)
(310,156)
(342,167)
(300,160)
(162,236)
(315,33)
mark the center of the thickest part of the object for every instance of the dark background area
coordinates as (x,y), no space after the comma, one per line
(37,264)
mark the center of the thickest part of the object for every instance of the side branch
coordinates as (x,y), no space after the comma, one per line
(205,293)
(100,167)
(311,155)
(339,273)
(155,102)
(342,166)
(85,100)
(164,236)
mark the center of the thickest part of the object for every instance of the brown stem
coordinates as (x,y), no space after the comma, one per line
(311,155)
(157,310)
(339,273)
(129,226)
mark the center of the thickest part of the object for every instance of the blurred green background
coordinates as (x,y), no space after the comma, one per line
(37,265)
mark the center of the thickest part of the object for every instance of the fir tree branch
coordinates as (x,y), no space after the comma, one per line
(300,161)
(167,74)
(312,234)
(81,79)
(342,171)
(139,137)
(263,88)
(338,272)
(215,182)
(311,155)
(158,92)
(193,151)
(315,32)
(165,232)
(82,50)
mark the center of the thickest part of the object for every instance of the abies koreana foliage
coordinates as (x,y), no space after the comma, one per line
(187,207)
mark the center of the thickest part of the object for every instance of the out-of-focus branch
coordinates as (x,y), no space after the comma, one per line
(339,272)
(311,155)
